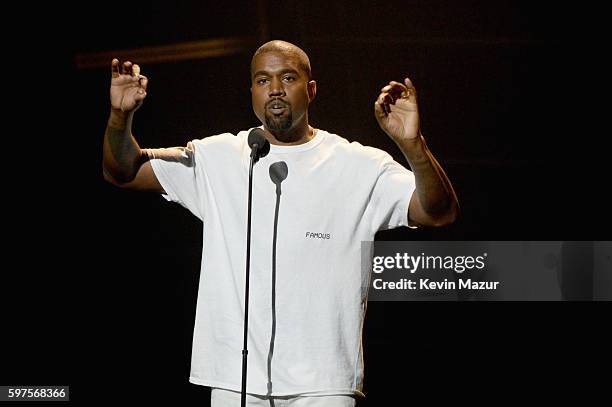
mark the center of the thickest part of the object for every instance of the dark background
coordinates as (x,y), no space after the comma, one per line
(99,284)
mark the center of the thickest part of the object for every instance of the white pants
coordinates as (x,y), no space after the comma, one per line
(228,398)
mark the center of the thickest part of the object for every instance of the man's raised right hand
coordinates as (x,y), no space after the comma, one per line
(128,87)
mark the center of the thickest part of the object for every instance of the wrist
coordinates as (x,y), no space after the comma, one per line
(118,119)
(414,149)
(412,143)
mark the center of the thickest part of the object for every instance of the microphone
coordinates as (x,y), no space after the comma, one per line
(278,173)
(260,147)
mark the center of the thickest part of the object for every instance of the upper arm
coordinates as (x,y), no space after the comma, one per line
(144,181)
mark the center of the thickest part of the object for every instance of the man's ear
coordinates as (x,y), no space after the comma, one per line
(312,90)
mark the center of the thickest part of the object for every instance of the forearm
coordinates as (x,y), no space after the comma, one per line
(122,156)
(433,188)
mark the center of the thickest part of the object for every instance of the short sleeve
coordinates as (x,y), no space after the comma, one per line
(175,169)
(391,195)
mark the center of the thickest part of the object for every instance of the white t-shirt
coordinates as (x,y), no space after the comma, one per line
(336,195)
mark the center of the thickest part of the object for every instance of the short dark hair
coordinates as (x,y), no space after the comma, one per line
(285,47)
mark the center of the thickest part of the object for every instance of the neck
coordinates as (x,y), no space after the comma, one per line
(292,137)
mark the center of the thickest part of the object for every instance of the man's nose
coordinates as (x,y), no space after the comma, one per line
(276,88)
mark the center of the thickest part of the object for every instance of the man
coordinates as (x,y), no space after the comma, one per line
(305,324)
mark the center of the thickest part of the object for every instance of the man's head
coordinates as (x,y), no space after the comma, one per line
(282,89)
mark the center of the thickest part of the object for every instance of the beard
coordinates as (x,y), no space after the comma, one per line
(279,125)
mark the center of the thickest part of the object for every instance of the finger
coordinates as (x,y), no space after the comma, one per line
(392,91)
(394,88)
(115,67)
(410,86)
(397,86)
(388,99)
(386,106)
(379,110)
(396,91)
(135,70)
(382,97)
(382,107)
(144,81)
(126,68)
(383,104)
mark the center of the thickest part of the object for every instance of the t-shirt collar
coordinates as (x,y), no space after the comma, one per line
(318,137)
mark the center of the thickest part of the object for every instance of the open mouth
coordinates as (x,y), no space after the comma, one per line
(278,110)
(277,107)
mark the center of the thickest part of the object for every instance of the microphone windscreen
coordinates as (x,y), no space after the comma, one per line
(278,172)
(256,136)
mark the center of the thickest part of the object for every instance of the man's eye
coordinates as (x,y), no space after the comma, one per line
(289,78)
(262,81)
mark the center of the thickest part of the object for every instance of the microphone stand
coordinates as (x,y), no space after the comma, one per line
(245,351)
(278,172)
(259,148)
